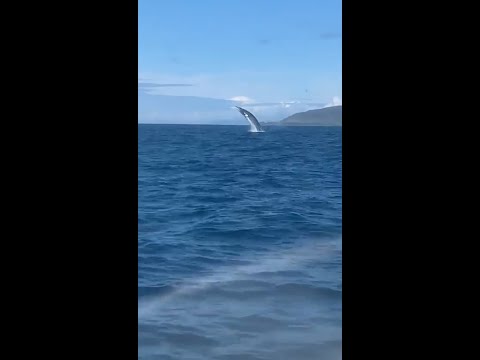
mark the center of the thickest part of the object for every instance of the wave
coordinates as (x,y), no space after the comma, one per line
(218,282)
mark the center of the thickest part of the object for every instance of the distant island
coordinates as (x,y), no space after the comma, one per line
(329,116)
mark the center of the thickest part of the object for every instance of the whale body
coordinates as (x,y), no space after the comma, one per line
(254,124)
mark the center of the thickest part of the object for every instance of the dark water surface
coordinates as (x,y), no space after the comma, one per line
(240,250)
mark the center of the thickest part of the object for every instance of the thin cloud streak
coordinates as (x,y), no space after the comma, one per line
(154,85)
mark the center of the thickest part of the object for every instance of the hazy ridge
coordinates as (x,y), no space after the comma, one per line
(329,116)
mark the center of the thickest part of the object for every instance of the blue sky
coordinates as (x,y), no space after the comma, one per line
(274,57)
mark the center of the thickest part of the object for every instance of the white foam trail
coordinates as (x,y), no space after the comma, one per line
(284,259)
(253,129)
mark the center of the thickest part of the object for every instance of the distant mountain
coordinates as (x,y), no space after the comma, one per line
(329,116)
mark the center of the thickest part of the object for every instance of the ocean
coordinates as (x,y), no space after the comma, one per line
(239,243)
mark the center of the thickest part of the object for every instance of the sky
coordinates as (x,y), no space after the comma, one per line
(274,57)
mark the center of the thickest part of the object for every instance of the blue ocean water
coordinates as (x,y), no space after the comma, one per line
(239,242)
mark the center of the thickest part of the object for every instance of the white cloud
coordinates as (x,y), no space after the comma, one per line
(336,101)
(242,99)
(211,98)
(262,86)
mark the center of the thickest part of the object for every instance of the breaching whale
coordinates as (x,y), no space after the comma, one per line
(254,124)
